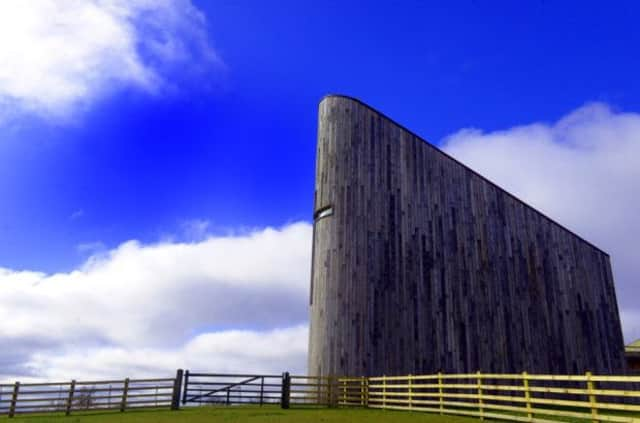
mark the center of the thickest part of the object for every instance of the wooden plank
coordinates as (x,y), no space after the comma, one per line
(14,399)
(27,385)
(125,392)
(134,381)
(91,382)
(149,387)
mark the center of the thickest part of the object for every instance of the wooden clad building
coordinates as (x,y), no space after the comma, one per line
(632,352)
(422,265)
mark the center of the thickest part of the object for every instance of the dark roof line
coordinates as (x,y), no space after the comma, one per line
(465,166)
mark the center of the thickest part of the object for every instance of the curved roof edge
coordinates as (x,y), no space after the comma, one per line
(362,103)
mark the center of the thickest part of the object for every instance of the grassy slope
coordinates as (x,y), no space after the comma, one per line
(251,415)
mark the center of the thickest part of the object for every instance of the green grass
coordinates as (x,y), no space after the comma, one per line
(254,414)
(268,414)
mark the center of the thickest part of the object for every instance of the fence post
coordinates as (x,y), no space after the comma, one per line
(328,391)
(177,386)
(480,402)
(361,391)
(592,398)
(527,395)
(410,392)
(366,392)
(72,390)
(384,391)
(125,392)
(186,387)
(286,390)
(261,390)
(440,393)
(344,391)
(333,397)
(14,400)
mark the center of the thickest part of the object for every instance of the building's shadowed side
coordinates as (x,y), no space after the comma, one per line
(632,353)
(421,265)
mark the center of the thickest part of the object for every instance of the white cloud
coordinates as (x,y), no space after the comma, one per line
(57,57)
(90,247)
(232,351)
(195,229)
(78,214)
(584,172)
(222,304)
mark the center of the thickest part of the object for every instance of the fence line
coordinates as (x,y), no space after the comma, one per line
(73,396)
(512,397)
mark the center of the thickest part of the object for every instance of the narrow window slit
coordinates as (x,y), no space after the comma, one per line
(323,212)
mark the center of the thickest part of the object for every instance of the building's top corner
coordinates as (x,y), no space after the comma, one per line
(440,151)
(343,96)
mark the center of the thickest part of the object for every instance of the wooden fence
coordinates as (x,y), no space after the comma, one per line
(72,396)
(312,390)
(512,397)
(353,391)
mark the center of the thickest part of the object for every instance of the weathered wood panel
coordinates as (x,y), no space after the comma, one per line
(424,266)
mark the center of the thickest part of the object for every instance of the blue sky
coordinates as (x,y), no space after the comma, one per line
(177,123)
(235,143)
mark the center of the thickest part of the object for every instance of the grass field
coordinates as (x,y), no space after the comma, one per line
(250,415)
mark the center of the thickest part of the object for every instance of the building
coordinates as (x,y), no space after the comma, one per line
(632,353)
(422,265)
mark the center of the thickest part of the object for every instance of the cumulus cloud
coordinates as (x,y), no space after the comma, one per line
(221,304)
(584,172)
(231,351)
(57,57)
(195,229)
(90,247)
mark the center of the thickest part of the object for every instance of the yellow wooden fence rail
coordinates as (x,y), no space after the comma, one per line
(512,397)
(313,390)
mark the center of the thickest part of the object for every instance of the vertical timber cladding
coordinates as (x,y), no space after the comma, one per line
(421,265)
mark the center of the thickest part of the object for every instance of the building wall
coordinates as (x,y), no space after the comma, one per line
(422,265)
(632,354)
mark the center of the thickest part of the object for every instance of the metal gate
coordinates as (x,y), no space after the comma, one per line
(243,389)
(231,389)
